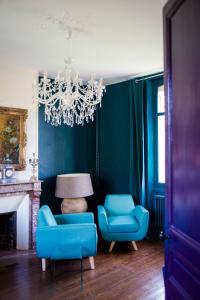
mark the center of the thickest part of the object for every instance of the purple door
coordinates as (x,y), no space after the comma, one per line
(182,91)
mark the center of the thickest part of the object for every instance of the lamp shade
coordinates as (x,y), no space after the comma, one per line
(73,185)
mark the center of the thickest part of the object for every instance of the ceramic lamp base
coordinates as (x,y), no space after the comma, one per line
(74,205)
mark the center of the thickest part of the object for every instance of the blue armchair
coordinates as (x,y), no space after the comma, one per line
(67,236)
(120,220)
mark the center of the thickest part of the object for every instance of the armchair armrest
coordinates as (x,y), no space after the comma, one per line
(77,218)
(102,218)
(64,238)
(140,213)
(142,216)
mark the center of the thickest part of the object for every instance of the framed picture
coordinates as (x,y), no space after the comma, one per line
(13,136)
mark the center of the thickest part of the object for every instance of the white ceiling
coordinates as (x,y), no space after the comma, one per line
(116,39)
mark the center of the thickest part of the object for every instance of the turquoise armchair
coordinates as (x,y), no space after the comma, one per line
(67,236)
(120,220)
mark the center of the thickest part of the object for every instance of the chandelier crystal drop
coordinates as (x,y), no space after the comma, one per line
(67,99)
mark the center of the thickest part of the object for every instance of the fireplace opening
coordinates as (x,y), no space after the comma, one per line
(8,230)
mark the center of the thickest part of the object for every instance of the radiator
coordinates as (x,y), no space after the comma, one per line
(158,208)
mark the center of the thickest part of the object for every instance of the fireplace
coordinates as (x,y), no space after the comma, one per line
(8,230)
(19,204)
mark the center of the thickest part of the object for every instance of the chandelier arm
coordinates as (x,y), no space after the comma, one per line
(94,102)
(88,102)
(49,102)
(85,88)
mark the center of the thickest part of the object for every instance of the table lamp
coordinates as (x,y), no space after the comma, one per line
(73,188)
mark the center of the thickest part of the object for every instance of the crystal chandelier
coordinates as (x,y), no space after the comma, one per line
(67,99)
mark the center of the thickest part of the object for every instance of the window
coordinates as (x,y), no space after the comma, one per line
(160,116)
(155,152)
(155,136)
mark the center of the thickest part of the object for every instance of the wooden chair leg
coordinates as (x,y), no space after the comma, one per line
(81,274)
(91,260)
(111,246)
(134,245)
(53,269)
(44,264)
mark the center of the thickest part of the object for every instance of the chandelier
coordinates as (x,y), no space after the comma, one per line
(67,98)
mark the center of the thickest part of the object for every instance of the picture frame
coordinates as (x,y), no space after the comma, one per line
(13,137)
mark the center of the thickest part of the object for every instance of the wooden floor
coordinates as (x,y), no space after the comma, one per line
(122,274)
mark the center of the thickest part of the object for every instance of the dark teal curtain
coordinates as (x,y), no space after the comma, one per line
(137,140)
(141,131)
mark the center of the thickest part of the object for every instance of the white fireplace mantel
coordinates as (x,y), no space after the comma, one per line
(24,198)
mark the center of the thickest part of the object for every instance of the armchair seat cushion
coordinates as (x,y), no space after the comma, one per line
(123,224)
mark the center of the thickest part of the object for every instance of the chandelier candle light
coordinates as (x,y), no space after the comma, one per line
(67,98)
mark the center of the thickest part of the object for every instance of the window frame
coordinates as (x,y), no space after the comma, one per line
(154,186)
(157,184)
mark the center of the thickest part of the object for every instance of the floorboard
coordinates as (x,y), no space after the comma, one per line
(123,274)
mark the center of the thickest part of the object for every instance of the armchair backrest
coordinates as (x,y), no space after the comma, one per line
(119,204)
(45,217)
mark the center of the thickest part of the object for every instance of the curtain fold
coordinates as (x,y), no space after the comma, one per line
(137,140)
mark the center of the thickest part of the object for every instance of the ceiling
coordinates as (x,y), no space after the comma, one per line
(114,39)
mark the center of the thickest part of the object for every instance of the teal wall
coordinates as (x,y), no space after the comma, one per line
(101,148)
(62,150)
(114,140)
